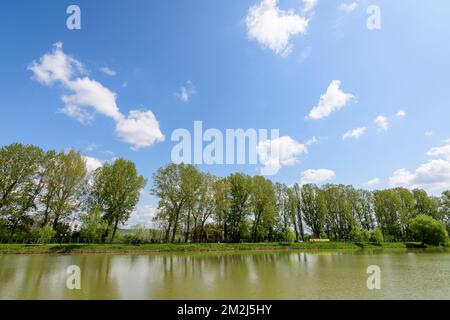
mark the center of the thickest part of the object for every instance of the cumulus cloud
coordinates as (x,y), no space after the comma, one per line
(317,176)
(354,134)
(433,176)
(88,97)
(108,71)
(55,66)
(348,7)
(273,27)
(92,163)
(186,92)
(140,129)
(332,100)
(382,122)
(88,93)
(373,182)
(276,153)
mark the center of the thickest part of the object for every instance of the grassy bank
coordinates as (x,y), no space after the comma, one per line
(195,247)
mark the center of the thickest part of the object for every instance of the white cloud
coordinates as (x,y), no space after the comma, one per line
(348,7)
(429,133)
(354,134)
(89,93)
(273,27)
(92,163)
(55,66)
(186,92)
(382,122)
(311,141)
(309,5)
(140,129)
(283,151)
(401,114)
(88,97)
(433,176)
(373,182)
(108,71)
(317,176)
(143,215)
(443,151)
(332,100)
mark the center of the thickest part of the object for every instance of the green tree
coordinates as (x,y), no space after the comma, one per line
(424,204)
(429,231)
(93,226)
(298,205)
(115,192)
(68,183)
(176,186)
(221,191)
(204,205)
(239,195)
(313,208)
(444,209)
(20,184)
(46,234)
(388,208)
(263,201)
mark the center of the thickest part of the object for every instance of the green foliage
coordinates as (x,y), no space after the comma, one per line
(429,231)
(115,193)
(313,208)
(45,235)
(40,191)
(93,226)
(376,236)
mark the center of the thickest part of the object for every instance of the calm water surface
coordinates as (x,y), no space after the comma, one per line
(405,274)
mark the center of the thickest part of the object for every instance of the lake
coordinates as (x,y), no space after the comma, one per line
(405,274)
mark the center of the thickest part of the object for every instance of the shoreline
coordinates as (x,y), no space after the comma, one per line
(193,248)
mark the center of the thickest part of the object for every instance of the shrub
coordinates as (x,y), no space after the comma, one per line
(45,235)
(358,235)
(376,236)
(429,231)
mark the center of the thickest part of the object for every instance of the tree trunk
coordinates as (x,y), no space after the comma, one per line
(177,216)
(300,223)
(186,237)
(114,230)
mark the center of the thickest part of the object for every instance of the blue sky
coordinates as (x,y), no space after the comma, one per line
(257,64)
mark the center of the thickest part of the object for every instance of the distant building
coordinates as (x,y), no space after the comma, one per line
(74,226)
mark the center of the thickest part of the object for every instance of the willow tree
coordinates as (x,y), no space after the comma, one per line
(115,192)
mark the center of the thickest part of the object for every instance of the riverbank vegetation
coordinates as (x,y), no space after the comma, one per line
(198,247)
(43,194)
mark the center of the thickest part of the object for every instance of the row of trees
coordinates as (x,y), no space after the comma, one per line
(196,206)
(41,192)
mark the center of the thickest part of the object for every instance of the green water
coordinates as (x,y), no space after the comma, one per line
(263,275)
